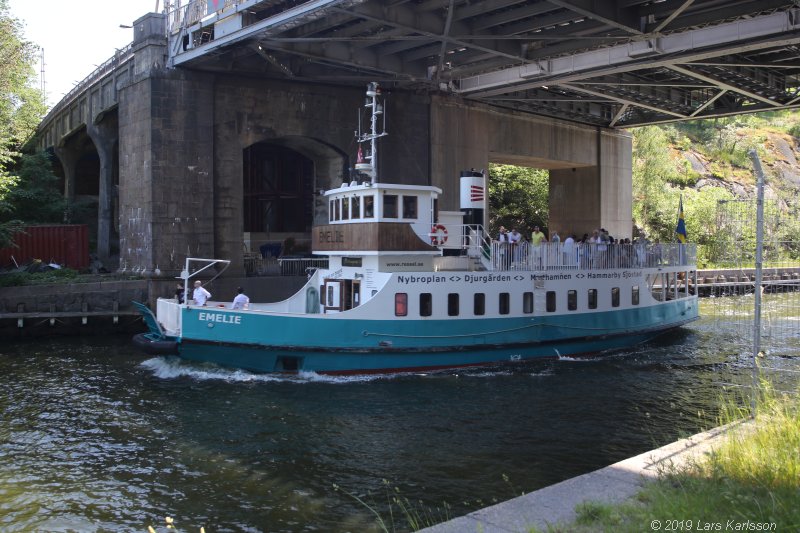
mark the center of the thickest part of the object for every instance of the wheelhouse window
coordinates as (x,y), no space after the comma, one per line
(410,207)
(550,301)
(390,206)
(592,302)
(615,297)
(345,208)
(369,206)
(336,209)
(401,304)
(527,302)
(505,303)
(479,304)
(635,295)
(355,205)
(572,300)
(425,304)
(452,304)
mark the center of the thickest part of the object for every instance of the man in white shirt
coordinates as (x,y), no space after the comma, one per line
(513,240)
(241,301)
(568,250)
(200,295)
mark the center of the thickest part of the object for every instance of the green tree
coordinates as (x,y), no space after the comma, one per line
(518,198)
(655,204)
(21,109)
(36,198)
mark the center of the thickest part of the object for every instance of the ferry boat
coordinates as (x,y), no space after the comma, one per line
(408,288)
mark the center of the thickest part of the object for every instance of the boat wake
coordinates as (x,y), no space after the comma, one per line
(170,367)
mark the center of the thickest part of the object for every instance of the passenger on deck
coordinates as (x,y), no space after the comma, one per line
(200,295)
(536,241)
(241,301)
(502,238)
(568,250)
(179,293)
(514,239)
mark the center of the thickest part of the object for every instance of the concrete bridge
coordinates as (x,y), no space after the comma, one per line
(215,131)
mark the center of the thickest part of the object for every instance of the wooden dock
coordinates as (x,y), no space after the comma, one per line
(727,282)
(53,317)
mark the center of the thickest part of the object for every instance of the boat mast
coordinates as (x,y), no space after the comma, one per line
(376,109)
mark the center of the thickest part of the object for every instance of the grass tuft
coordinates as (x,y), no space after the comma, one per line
(751,482)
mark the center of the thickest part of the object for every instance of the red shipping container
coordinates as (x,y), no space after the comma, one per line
(66,245)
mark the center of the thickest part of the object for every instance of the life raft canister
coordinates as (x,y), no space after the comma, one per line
(439,236)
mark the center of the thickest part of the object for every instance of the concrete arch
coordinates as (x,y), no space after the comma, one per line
(315,166)
(329,162)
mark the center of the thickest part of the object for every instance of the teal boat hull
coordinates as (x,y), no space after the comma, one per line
(274,343)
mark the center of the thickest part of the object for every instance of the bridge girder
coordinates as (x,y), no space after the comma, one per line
(617,63)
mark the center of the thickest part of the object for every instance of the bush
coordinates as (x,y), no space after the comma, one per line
(17,278)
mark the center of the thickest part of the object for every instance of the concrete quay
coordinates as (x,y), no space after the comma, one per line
(613,484)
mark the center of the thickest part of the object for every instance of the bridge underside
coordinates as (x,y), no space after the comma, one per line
(615,63)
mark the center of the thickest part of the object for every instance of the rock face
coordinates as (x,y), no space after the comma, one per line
(779,157)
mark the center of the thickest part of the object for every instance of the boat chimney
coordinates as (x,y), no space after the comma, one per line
(473,196)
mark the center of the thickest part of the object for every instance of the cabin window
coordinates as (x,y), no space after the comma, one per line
(401,304)
(572,300)
(425,304)
(356,207)
(479,304)
(615,297)
(505,303)
(551,301)
(390,206)
(409,207)
(322,294)
(527,302)
(452,304)
(369,206)
(635,295)
(330,211)
(336,209)
(592,298)
(345,208)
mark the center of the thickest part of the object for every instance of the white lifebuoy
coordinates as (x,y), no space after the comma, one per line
(436,231)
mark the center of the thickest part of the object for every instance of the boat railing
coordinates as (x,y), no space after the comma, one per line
(256,265)
(301,266)
(471,239)
(552,255)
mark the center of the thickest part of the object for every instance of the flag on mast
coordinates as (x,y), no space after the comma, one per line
(681,228)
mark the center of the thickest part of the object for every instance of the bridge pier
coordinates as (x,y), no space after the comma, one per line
(69,162)
(590,168)
(104,136)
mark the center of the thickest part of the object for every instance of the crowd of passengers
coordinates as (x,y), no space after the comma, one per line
(598,250)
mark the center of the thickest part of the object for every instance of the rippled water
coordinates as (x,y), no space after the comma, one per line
(96,437)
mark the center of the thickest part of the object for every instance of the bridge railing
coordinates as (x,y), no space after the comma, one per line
(121,56)
(184,13)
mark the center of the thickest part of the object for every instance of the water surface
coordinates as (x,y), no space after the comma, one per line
(95,436)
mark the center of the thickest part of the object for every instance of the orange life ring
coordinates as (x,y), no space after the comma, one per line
(435,239)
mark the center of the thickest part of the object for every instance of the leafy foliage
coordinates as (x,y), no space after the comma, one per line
(21,109)
(518,198)
(655,205)
(36,197)
(15,279)
(659,180)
